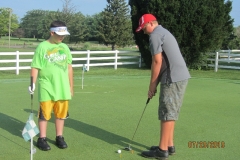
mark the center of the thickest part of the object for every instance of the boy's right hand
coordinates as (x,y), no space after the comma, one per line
(31,90)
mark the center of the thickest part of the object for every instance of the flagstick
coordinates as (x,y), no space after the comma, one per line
(30,129)
(31,113)
(31,148)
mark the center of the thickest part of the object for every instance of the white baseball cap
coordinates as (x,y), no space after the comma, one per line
(60,30)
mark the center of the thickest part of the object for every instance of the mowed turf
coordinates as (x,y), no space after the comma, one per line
(105,113)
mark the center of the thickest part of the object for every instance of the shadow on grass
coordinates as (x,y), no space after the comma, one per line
(102,134)
(96,132)
(13,126)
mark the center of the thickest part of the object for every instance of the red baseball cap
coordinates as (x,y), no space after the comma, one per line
(144,20)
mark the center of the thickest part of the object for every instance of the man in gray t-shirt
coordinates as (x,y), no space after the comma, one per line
(168,68)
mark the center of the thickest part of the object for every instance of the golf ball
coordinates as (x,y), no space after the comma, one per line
(119,151)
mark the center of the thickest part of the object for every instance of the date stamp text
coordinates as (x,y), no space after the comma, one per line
(206,144)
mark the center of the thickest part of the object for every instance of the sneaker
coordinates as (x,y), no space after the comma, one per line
(60,142)
(171,149)
(42,144)
(156,153)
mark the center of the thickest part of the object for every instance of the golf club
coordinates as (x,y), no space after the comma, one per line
(129,146)
(31,84)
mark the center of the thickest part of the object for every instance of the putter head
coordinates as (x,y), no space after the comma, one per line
(128,148)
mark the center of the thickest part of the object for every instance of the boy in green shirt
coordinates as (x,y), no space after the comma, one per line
(51,64)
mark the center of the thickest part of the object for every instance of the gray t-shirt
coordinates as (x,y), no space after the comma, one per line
(173,68)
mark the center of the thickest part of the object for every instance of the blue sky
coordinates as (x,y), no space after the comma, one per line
(86,7)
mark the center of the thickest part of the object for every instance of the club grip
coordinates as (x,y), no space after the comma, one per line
(148,100)
(31,82)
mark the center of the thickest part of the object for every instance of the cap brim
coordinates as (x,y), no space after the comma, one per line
(139,29)
(63,33)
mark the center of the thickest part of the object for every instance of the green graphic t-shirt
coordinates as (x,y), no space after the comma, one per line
(52,61)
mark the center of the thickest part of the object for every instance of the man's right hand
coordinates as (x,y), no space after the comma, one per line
(151,94)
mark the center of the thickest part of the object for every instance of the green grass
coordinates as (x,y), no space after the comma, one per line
(104,115)
(30,44)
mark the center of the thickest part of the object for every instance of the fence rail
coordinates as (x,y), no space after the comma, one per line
(225,58)
(80,58)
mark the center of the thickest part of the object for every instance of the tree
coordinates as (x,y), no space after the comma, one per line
(92,23)
(36,22)
(19,33)
(237,33)
(113,24)
(68,10)
(199,26)
(32,23)
(234,40)
(78,28)
(5,16)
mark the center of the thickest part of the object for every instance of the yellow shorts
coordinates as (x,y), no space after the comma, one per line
(60,110)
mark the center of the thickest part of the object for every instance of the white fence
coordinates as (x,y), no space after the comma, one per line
(229,56)
(109,58)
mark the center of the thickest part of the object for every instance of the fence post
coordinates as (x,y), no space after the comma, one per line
(88,59)
(116,55)
(229,51)
(17,62)
(140,61)
(216,62)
